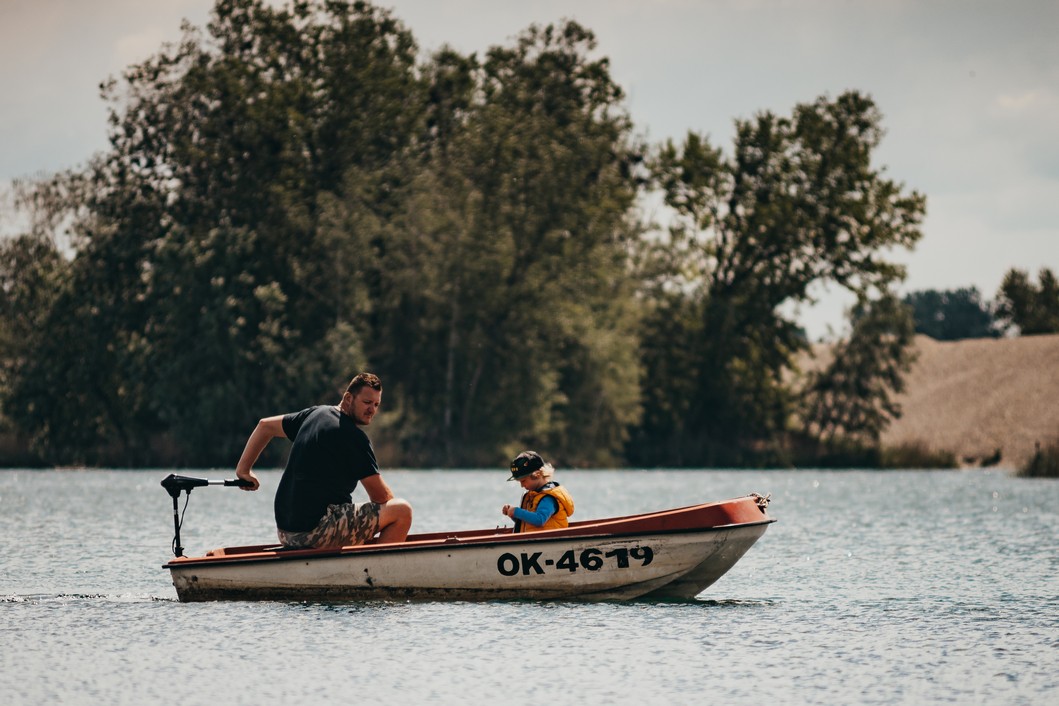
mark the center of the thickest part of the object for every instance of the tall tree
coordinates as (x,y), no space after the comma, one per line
(289,197)
(798,203)
(64,355)
(853,397)
(1027,308)
(31,275)
(198,280)
(501,295)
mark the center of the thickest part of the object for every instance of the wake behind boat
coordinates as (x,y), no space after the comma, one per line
(668,555)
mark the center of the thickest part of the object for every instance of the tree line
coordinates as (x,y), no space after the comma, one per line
(292,194)
(1020,308)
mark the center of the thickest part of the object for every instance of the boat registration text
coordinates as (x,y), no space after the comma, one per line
(590,559)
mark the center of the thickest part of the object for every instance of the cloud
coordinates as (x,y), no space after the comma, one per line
(1025,102)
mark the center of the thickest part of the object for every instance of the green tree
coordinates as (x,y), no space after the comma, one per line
(197,294)
(797,204)
(288,197)
(952,315)
(59,356)
(501,299)
(1027,308)
(31,274)
(853,398)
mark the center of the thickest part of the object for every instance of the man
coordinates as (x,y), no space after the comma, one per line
(330,455)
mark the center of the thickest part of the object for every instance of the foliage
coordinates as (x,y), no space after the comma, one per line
(1044,463)
(195,296)
(916,455)
(501,298)
(31,273)
(292,194)
(798,203)
(288,198)
(1027,308)
(952,315)
(845,452)
(853,396)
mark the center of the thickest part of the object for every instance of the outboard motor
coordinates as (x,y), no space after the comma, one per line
(175,485)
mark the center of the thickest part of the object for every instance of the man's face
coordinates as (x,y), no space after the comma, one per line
(365,405)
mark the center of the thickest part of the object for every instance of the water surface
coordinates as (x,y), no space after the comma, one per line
(871,588)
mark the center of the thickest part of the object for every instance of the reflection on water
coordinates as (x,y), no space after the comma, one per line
(871,587)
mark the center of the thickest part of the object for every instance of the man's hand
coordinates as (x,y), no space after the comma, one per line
(263,433)
(250,478)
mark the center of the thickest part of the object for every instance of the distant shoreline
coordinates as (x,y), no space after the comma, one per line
(987,401)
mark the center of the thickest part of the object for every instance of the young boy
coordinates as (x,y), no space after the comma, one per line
(545,504)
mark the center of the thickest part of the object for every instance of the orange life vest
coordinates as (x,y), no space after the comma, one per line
(533,498)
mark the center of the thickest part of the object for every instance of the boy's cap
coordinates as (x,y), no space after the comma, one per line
(526,463)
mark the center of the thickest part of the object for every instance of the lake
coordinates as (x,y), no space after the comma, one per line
(871,588)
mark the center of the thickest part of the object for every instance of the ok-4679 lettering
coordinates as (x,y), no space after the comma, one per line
(590,559)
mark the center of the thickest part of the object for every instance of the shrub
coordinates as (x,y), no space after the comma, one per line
(1044,463)
(916,454)
(845,452)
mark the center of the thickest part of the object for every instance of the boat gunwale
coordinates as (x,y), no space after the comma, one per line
(280,554)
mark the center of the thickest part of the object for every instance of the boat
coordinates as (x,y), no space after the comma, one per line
(672,554)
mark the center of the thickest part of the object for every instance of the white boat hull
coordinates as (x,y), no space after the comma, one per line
(667,555)
(582,568)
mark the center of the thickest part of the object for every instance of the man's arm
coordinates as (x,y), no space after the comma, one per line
(264,432)
(378,491)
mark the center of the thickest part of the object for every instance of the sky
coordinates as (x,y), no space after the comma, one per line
(968,90)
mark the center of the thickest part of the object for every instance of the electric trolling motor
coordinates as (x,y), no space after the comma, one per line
(175,484)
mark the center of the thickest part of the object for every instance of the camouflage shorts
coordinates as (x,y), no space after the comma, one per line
(341,525)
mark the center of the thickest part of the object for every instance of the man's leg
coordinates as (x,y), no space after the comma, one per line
(395,519)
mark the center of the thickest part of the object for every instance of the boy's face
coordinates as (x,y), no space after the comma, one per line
(532,481)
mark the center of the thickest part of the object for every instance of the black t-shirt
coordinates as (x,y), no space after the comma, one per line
(329,456)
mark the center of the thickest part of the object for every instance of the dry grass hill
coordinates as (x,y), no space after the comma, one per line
(979,396)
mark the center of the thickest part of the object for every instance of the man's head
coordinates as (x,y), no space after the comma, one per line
(361,380)
(362,398)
